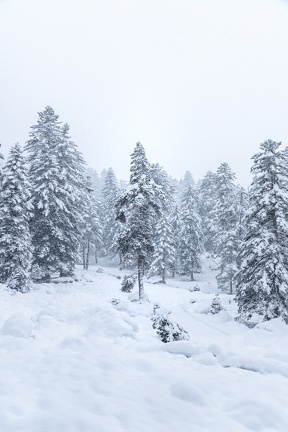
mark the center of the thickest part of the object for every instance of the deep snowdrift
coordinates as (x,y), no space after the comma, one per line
(72,360)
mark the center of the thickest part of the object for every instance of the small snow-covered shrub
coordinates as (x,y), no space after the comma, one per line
(115,301)
(195,288)
(168,330)
(99,270)
(216,305)
(128,283)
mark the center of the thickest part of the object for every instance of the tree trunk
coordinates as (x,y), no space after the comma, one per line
(140,277)
(83,256)
(231,287)
(192,276)
(163,276)
(87,255)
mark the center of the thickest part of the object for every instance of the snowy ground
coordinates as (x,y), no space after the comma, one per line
(72,361)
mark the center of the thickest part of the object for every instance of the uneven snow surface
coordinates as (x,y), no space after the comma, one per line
(72,360)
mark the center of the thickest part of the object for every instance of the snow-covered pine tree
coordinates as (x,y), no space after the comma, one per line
(262,281)
(225,217)
(207,202)
(165,190)
(136,207)
(191,237)
(95,182)
(224,212)
(57,184)
(216,305)
(241,209)
(163,257)
(110,226)
(182,185)
(15,240)
(91,241)
(176,226)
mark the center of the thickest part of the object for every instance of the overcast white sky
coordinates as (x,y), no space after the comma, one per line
(198,82)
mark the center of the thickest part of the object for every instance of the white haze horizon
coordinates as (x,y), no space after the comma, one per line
(197,82)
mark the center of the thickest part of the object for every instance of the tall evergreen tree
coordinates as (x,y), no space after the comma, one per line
(136,207)
(110,226)
(225,217)
(176,225)
(262,281)
(95,182)
(207,201)
(163,257)
(15,240)
(56,176)
(91,241)
(191,243)
(165,190)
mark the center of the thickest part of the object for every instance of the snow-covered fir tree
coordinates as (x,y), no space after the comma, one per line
(207,202)
(191,237)
(57,184)
(95,182)
(165,190)
(15,240)
(224,214)
(184,183)
(176,226)
(110,226)
(163,257)
(241,203)
(216,305)
(91,242)
(137,207)
(262,281)
(225,218)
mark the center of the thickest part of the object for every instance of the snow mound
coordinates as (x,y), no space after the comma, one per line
(188,393)
(134,308)
(183,347)
(274,325)
(17,325)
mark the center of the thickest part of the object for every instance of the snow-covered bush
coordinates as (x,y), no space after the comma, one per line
(216,305)
(195,288)
(99,270)
(115,301)
(128,283)
(168,330)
